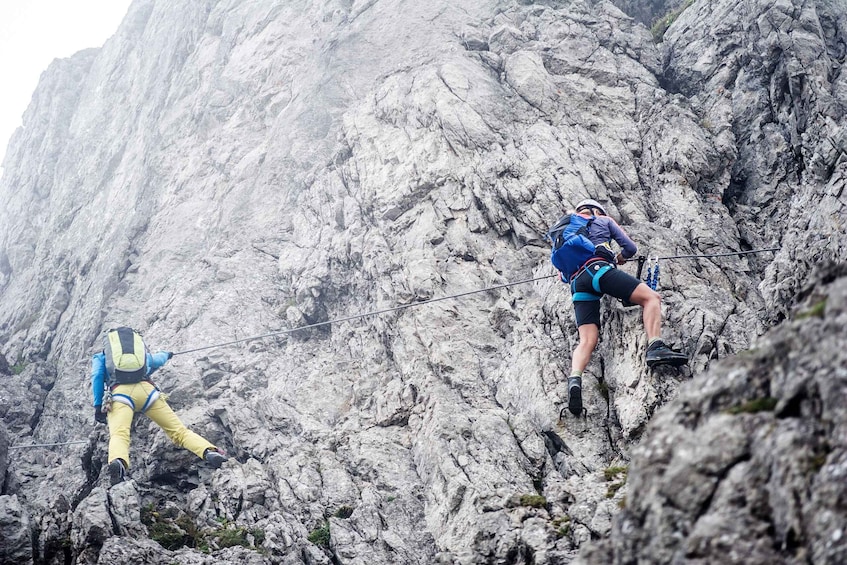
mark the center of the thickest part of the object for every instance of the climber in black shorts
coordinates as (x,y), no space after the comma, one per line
(598,276)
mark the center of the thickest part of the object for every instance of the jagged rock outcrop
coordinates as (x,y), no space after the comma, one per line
(220,170)
(16,546)
(747,465)
(782,93)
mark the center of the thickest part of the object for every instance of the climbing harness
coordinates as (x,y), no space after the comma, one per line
(596,275)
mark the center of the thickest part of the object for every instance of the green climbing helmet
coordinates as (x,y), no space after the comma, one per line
(589,203)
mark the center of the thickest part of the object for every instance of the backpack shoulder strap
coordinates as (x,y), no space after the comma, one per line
(584,229)
(554,234)
(558,226)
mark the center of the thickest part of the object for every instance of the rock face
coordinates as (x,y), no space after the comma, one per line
(220,170)
(747,465)
(16,546)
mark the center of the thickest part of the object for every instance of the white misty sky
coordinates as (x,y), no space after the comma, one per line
(33,33)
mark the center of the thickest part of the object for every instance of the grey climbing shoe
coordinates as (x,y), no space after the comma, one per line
(117,471)
(215,457)
(660,354)
(575,395)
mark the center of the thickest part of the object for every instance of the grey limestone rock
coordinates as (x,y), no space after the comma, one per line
(92,522)
(15,532)
(222,170)
(747,465)
(125,510)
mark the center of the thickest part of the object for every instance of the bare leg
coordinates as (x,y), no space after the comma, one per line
(651,304)
(588,336)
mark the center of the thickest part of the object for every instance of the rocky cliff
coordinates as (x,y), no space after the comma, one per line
(221,170)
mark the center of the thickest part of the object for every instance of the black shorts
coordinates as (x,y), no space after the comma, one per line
(586,299)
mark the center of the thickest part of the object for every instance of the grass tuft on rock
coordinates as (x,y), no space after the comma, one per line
(816,311)
(320,536)
(533,501)
(174,530)
(766,404)
(344,512)
(661,25)
(611,473)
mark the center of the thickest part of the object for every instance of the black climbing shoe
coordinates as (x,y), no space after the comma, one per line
(117,471)
(215,457)
(575,395)
(660,354)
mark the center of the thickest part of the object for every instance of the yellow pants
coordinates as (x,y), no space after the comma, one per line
(140,395)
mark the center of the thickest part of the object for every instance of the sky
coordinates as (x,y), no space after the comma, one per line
(33,33)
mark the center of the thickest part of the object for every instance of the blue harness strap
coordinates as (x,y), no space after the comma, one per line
(124,399)
(595,278)
(584,297)
(595,284)
(151,398)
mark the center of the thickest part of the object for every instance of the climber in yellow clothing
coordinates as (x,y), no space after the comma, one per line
(120,381)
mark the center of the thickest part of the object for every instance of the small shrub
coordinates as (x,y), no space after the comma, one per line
(344,512)
(187,525)
(533,501)
(615,473)
(562,524)
(162,529)
(174,530)
(18,367)
(611,473)
(231,536)
(258,535)
(613,489)
(320,536)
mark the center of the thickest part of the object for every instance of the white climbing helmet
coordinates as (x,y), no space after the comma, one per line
(589,203)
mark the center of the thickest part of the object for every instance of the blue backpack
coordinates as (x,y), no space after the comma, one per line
(571,246)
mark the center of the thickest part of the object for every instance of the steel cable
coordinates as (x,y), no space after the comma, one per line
(430,301)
